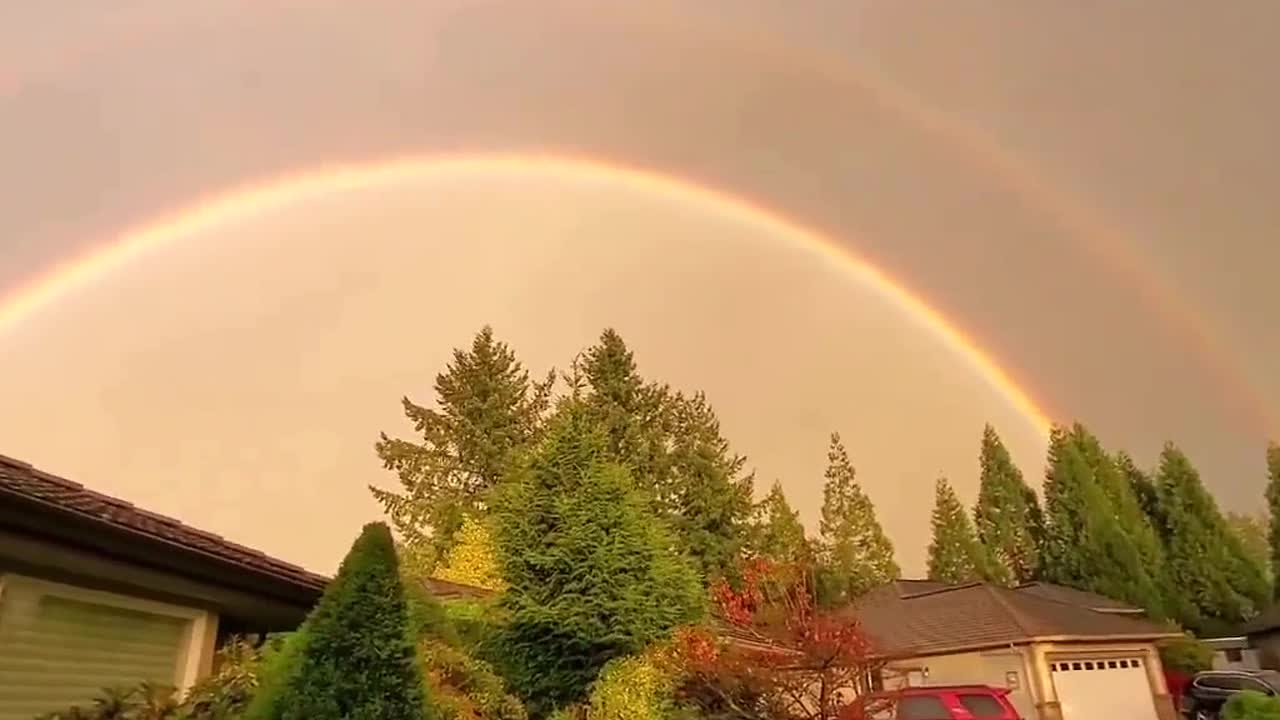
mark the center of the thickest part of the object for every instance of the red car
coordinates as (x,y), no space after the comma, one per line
(954,702)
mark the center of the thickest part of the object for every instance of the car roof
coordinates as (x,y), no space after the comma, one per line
(939,689)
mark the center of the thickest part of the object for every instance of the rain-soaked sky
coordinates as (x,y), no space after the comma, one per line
(1087,190)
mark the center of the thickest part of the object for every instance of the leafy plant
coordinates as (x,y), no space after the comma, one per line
(1250,705)
(1186,654)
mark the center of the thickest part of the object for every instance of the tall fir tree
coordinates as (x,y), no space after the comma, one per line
(592,573)
(854,551)
(673,446)
(1204,560)
(777,533)
(955,555)
(486,408)
(1007,515)
(1085,546)
(1273,505)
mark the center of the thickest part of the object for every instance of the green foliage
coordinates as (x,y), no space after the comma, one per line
(1007,514)
(487,409)
(1251,531)
(673,447)
(592,574)
(639,687)
(1186,654)
(1085,545)
(1251,705)
(854,551)
(955,555)
(777,533)
(473,559)
(1206,563)
(358,661)
(1273,505)
(465,688)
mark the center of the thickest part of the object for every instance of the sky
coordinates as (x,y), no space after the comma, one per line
(1084,190)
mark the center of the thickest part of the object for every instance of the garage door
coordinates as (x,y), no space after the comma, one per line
(1093,688)
(56,652)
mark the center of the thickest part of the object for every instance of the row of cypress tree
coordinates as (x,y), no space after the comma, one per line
(1154,539)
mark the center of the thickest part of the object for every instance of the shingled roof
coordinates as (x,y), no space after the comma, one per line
(977,615)
(63,503)
(1093,601)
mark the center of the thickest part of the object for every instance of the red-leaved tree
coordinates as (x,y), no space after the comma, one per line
(778,656)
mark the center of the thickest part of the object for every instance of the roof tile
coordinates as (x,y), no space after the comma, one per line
(21,479)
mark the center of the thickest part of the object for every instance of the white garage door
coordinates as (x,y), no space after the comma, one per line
(1094,688)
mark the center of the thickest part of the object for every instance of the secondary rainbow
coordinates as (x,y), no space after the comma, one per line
(327,181)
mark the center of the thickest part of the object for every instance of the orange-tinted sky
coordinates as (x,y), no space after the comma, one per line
(1056,143)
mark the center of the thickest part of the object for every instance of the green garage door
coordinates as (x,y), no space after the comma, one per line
(56,652)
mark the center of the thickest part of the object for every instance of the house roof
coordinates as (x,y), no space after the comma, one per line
(448,590)
(977,615)
(71,511)
(1093,601)
(1267,621)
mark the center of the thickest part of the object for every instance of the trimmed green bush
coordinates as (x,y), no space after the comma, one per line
(1250,705)
(639,687)
(354,658)
(1186,654)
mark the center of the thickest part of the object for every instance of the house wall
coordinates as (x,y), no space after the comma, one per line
(1250,659)
(1268,647)
(1006,668)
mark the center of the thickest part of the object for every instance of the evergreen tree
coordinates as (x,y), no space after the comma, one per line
(955,555)
(1127,511)
(1007,514)
(855,553)
(1085,546)
(487,408)
(354,659)
(673,447)
(592,574)
(1204,560)
(1273,505)
(1251,531)
(1143,487)
(778,534)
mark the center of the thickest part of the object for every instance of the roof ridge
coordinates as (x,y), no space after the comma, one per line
(941,590)
(1019,618)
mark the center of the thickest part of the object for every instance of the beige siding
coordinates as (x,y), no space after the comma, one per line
(993,667)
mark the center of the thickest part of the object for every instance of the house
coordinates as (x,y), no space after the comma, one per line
(1063,655)
(1263,633)
(1234,653)
(95,592)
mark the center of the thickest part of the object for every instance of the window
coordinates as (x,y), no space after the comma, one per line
(982,706)
(1219,682)
(922,707)
(1234,655)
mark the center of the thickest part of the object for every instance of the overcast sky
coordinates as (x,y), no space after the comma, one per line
(1087,189)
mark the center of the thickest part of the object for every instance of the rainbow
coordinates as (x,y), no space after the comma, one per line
(247,202)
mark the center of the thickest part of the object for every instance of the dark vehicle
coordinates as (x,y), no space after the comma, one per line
(1208,691)
(954,702)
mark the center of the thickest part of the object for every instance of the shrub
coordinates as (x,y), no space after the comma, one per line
(1250,705)
(464,688)
(1186,654)
(354,658)
(640,687)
